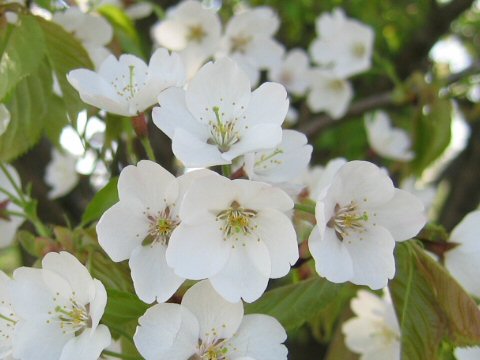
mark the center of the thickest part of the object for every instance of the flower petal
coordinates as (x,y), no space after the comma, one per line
(88,345)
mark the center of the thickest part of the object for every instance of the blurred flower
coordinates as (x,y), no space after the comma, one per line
(462,261)
(63,320)
(343,45)
(4,118)
(292,72)
(192,30)
(426,193)
(218,118)
(205,326)
(60,174)
(329,93)
(249,41)
(359,218)
(385,140)
(374,332)
(236,234)
(318,178)
(128,86)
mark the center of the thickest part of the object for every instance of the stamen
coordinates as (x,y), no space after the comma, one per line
(237,220)
(223,134)
(196,33)
(239,43)
(347,218)
(161,227)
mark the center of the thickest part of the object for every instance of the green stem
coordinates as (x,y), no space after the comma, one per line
(12,181)
(120,356)
(7,319)
(305,208)
(227,170)
(148,148)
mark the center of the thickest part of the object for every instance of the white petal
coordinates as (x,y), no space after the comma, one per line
(258,195)
(246,272)
(197,252)
(87,346)
(67,266)
(213,312)
(372,257)
(269,104)
(276,230)
(152,278)
(120,230)
(98,301)
(265,52)
(4,118)
(403,216)
(259,337)
(167,331)
(37,340)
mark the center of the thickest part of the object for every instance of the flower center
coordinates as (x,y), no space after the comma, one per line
(239,43)
(336,85)
(359,50)
(223,134)
(347,218)
(269,159)
(161,227)
(237,220)
(127,85)
(196,33)
(73,318)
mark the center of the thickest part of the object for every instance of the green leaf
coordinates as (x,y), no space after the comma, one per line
(23,53)
(57,119)
(295,304)
(123,307)
(65,53)
(102,200)
(124,29)
(431,306)
(28,110)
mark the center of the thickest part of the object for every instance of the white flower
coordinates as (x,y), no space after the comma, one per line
(329,93)
(60,174)
(93,31)
(343,45)
(218,118)
(374,332)
(426,193)
(319,178)
(59,308)
(281,164)
(139,226)
(192,30)
(236,233)
(9,223)
(462,261)
(249,41)
(205,326)
(385,140)
(471,353)
(292,72)
(292,116)
(139,10)
(8,318)
(128,86)
(359,218)
(4,118)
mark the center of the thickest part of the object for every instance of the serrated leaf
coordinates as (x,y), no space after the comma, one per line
(297,303)
(102,200)
(431,306)
(65,53)
(57,119)
(28,110)
(23,53)
(124,29)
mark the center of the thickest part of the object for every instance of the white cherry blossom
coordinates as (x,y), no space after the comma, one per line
(281,164)
(192,30)
(59,308)
(205,326)
(462,261)
(8,318)
(343,45)
(248,39)
(292,72)
(139,226)
(4,118)
(318,178)
(218,118)
(374,331)
(385,140)
(9,223)
(359,218)
(329,93)
(60,174)
(236,233)
(93,31)
(128,86)
(425,192)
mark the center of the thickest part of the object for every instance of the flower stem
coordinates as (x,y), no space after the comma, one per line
(120,356)
(305,208)
(7,319)
(148,148)
(227,170)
